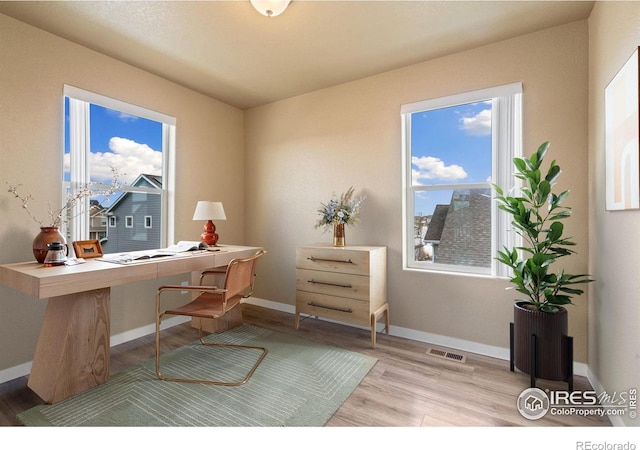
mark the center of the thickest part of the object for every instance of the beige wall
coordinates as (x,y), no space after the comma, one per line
(302,150)
(34,66)
(614,309)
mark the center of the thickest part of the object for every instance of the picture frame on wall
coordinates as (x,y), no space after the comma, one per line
(622,129)
(87,249)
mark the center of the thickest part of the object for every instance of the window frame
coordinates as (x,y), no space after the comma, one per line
(80,100)
(506,144)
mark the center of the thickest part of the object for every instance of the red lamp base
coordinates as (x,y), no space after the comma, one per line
(209,236)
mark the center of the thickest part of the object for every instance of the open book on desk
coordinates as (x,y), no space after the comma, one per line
(182,248)
(190,246)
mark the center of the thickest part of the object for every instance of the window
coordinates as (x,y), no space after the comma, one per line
(103,135)
(454,148)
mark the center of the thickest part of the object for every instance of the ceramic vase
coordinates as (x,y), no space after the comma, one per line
(41,243)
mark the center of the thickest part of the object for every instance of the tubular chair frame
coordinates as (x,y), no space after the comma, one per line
(227,304)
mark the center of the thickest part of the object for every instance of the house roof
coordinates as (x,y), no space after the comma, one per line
(438,219)
(154,180)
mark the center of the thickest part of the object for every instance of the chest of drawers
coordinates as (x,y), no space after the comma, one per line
(346,284)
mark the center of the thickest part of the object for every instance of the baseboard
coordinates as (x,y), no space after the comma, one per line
(579,369)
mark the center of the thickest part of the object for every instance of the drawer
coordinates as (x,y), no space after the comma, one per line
(333,283)
(332,259)
(336,308)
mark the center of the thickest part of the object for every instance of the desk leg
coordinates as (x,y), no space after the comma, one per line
(72,354)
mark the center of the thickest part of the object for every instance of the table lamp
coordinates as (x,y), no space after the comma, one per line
(209,211)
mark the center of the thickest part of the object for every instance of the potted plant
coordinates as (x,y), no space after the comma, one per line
(540,345)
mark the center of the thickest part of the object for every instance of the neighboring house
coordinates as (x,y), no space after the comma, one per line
(460,233)
(133,221)
(97,221)
(420,226)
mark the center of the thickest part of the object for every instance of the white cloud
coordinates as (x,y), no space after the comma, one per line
(431,168)
(478,125)
(129,158)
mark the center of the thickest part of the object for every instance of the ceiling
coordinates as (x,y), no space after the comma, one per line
(227,50)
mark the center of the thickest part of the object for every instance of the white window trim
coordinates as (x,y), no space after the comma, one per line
(79,100)
(128,221)
(112,221)
(506,141)
(148,221)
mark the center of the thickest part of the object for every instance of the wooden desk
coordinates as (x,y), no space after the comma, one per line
(72,354)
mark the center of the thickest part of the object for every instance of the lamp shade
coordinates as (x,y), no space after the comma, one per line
(270,8)
(206,210)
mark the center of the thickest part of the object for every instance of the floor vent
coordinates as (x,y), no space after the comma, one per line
(446,355)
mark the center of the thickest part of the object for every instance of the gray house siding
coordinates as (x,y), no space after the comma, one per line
(138,206)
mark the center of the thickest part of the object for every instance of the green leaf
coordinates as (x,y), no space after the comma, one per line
(519,164)
(555,231)
(542,151)
(553,173)
(544,189)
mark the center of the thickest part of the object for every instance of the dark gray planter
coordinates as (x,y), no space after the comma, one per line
(540,345)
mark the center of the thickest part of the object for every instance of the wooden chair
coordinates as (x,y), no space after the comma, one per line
(213,303)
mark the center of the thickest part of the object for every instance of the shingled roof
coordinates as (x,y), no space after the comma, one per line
(438,219)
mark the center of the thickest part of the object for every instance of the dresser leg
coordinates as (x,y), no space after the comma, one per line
(297,320)
(374,320)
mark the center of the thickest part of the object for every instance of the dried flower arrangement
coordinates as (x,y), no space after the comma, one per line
(59,216)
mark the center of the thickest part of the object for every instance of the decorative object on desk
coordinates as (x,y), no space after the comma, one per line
(57,254)
(87,249)
(301,383)
(540,346)
(46,237)
(339,212)
(209,211)
(50,233)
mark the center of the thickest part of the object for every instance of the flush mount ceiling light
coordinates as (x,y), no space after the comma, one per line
(270,8)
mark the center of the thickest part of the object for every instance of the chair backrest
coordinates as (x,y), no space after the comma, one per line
(240,275)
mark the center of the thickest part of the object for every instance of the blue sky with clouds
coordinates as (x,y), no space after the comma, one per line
(130,144)
(449,145)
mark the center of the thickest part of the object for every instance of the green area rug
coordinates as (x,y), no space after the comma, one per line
(299,383)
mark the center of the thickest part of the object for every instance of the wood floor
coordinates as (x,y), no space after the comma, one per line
(406,387)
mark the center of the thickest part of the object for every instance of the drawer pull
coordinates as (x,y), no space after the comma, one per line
(346,310)
(314,259)
(328,283)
